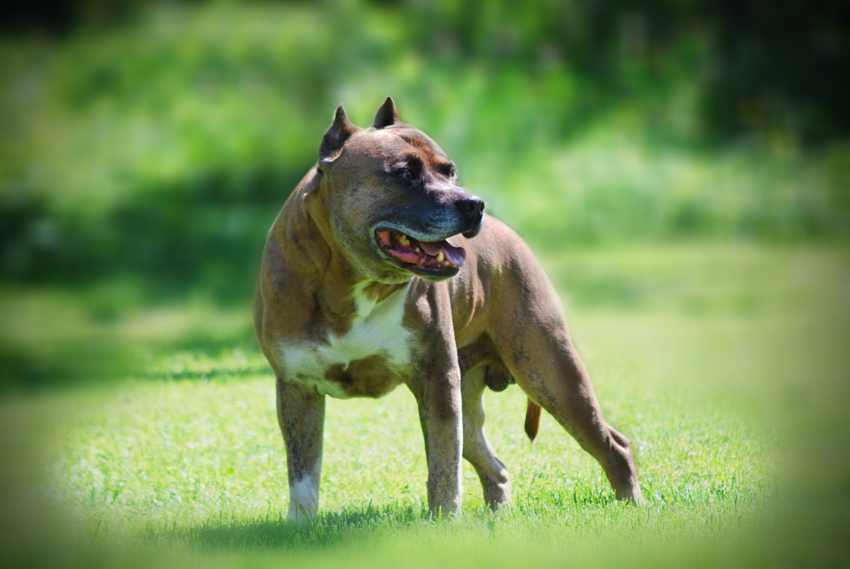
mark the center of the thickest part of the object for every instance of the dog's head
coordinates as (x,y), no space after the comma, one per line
(393,200)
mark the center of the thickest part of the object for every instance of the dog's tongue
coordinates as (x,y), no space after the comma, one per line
(456,255)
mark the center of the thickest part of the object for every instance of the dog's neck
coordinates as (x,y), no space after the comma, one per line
(326,275)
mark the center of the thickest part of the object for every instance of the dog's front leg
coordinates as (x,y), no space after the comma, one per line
(301,416)
(438,396)
(436,385)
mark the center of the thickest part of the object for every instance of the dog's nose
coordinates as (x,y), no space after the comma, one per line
(471,207)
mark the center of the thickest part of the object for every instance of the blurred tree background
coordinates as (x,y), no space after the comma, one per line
(147,146)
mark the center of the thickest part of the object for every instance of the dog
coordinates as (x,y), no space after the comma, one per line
(381,270)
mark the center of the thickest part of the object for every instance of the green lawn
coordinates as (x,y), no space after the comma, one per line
(725,365)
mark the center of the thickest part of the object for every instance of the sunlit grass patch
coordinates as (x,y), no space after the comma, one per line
(186,458)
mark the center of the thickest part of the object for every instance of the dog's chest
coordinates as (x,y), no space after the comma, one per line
(365,361)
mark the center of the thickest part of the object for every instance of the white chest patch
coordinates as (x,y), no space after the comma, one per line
(375,330)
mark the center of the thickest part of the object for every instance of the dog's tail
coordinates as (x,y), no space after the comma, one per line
(532,419)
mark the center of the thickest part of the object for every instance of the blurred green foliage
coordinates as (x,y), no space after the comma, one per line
(164,144)
(147,147)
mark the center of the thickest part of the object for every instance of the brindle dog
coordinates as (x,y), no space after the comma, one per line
(380,270)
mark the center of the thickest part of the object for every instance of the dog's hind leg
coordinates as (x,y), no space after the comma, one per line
(547,367)
(301,416)
(476,448)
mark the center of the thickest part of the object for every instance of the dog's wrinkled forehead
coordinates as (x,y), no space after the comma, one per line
(398,142)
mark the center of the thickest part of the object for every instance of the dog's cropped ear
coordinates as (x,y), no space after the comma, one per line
(336,136)
(387,115)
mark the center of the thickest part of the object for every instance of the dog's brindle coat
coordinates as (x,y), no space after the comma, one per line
(354,298)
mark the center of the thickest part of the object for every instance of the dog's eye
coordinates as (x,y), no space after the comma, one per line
(406,174)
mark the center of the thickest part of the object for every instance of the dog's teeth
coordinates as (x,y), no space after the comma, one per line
(402,238)
(441,257)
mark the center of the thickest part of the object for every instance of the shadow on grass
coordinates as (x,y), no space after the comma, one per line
(274,531)
(333,529)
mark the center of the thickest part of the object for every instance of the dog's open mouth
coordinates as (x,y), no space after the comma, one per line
(427,255)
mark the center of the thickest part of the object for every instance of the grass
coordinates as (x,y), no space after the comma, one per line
(724,364)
